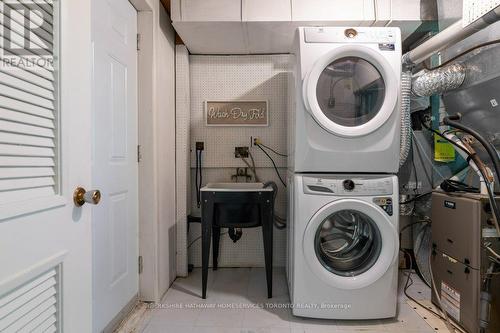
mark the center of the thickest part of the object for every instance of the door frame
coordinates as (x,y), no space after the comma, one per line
(148,244)
(147,187)
(151,23)
(138,5)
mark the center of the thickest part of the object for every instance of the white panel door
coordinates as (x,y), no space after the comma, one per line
(45,241)
(114,166)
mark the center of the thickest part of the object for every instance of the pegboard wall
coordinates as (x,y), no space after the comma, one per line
(254,77)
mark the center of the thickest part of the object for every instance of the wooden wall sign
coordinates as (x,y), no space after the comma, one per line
(236,113)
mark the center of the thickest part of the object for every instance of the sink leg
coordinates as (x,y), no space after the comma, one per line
(267,233)
(206,233)
(215,247)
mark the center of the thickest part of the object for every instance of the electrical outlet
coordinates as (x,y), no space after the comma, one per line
(256,141)
(240,152)
(200,145)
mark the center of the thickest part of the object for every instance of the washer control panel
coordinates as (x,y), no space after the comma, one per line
(385,203)
(355,186)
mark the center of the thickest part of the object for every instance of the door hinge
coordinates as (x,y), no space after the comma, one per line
(138,42)
(140,265)
(139,154)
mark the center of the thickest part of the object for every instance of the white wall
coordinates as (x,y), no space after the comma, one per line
(262,77)
(182,154)
(157,235)
(165,125)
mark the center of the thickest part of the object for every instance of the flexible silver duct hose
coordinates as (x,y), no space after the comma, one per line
(405,135)
(439,80)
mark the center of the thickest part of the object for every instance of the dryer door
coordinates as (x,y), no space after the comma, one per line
(351,91)
(350,243)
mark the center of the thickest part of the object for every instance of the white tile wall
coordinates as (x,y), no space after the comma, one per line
(255,77)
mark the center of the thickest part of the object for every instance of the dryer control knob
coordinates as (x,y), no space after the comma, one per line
(349,184)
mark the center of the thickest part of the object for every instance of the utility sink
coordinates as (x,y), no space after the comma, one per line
(236,206)
(236,187)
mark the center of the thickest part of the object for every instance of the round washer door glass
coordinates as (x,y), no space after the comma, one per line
(350,91)
(348,243)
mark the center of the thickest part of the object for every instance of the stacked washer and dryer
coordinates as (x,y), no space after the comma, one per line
(344,142)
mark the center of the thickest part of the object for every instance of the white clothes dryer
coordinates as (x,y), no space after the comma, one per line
(346,116)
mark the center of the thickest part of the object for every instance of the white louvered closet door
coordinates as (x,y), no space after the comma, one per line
(28,102)
(45,153)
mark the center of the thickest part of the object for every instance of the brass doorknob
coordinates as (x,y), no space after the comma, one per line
(80,197)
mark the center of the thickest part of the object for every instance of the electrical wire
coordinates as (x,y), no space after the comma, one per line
(490,149)
(491,194)
(271,149)
(461,54)
(409,283)
(443,137)
(415,198)
(412,224)
(422,151)
(451,185)
(198,178)
(274,164)
(488,247)
(489,185)
(279,222)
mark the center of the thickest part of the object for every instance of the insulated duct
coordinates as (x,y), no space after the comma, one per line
(405,134)
(438,81)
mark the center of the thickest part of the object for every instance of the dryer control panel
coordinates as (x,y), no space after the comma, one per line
(351,35)
(348,186)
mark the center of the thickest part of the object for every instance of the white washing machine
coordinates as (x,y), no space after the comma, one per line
(343,246)
(346,116)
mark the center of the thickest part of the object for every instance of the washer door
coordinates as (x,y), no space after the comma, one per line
(351,91)
(350,244)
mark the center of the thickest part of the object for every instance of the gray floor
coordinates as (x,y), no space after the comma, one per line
(233,291)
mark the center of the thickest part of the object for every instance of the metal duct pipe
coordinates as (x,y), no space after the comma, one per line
(451,35)
(439,80)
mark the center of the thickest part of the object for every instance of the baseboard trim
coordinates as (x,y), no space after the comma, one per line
(121,316)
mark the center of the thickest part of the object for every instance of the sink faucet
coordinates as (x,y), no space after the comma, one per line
(241,172)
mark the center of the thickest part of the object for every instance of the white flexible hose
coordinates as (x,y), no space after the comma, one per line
(405,134)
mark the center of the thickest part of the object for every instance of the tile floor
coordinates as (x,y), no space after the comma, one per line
(230,290)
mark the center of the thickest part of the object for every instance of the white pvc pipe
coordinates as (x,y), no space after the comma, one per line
(449,36)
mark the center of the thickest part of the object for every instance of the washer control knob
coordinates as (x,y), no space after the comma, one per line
(349,184)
